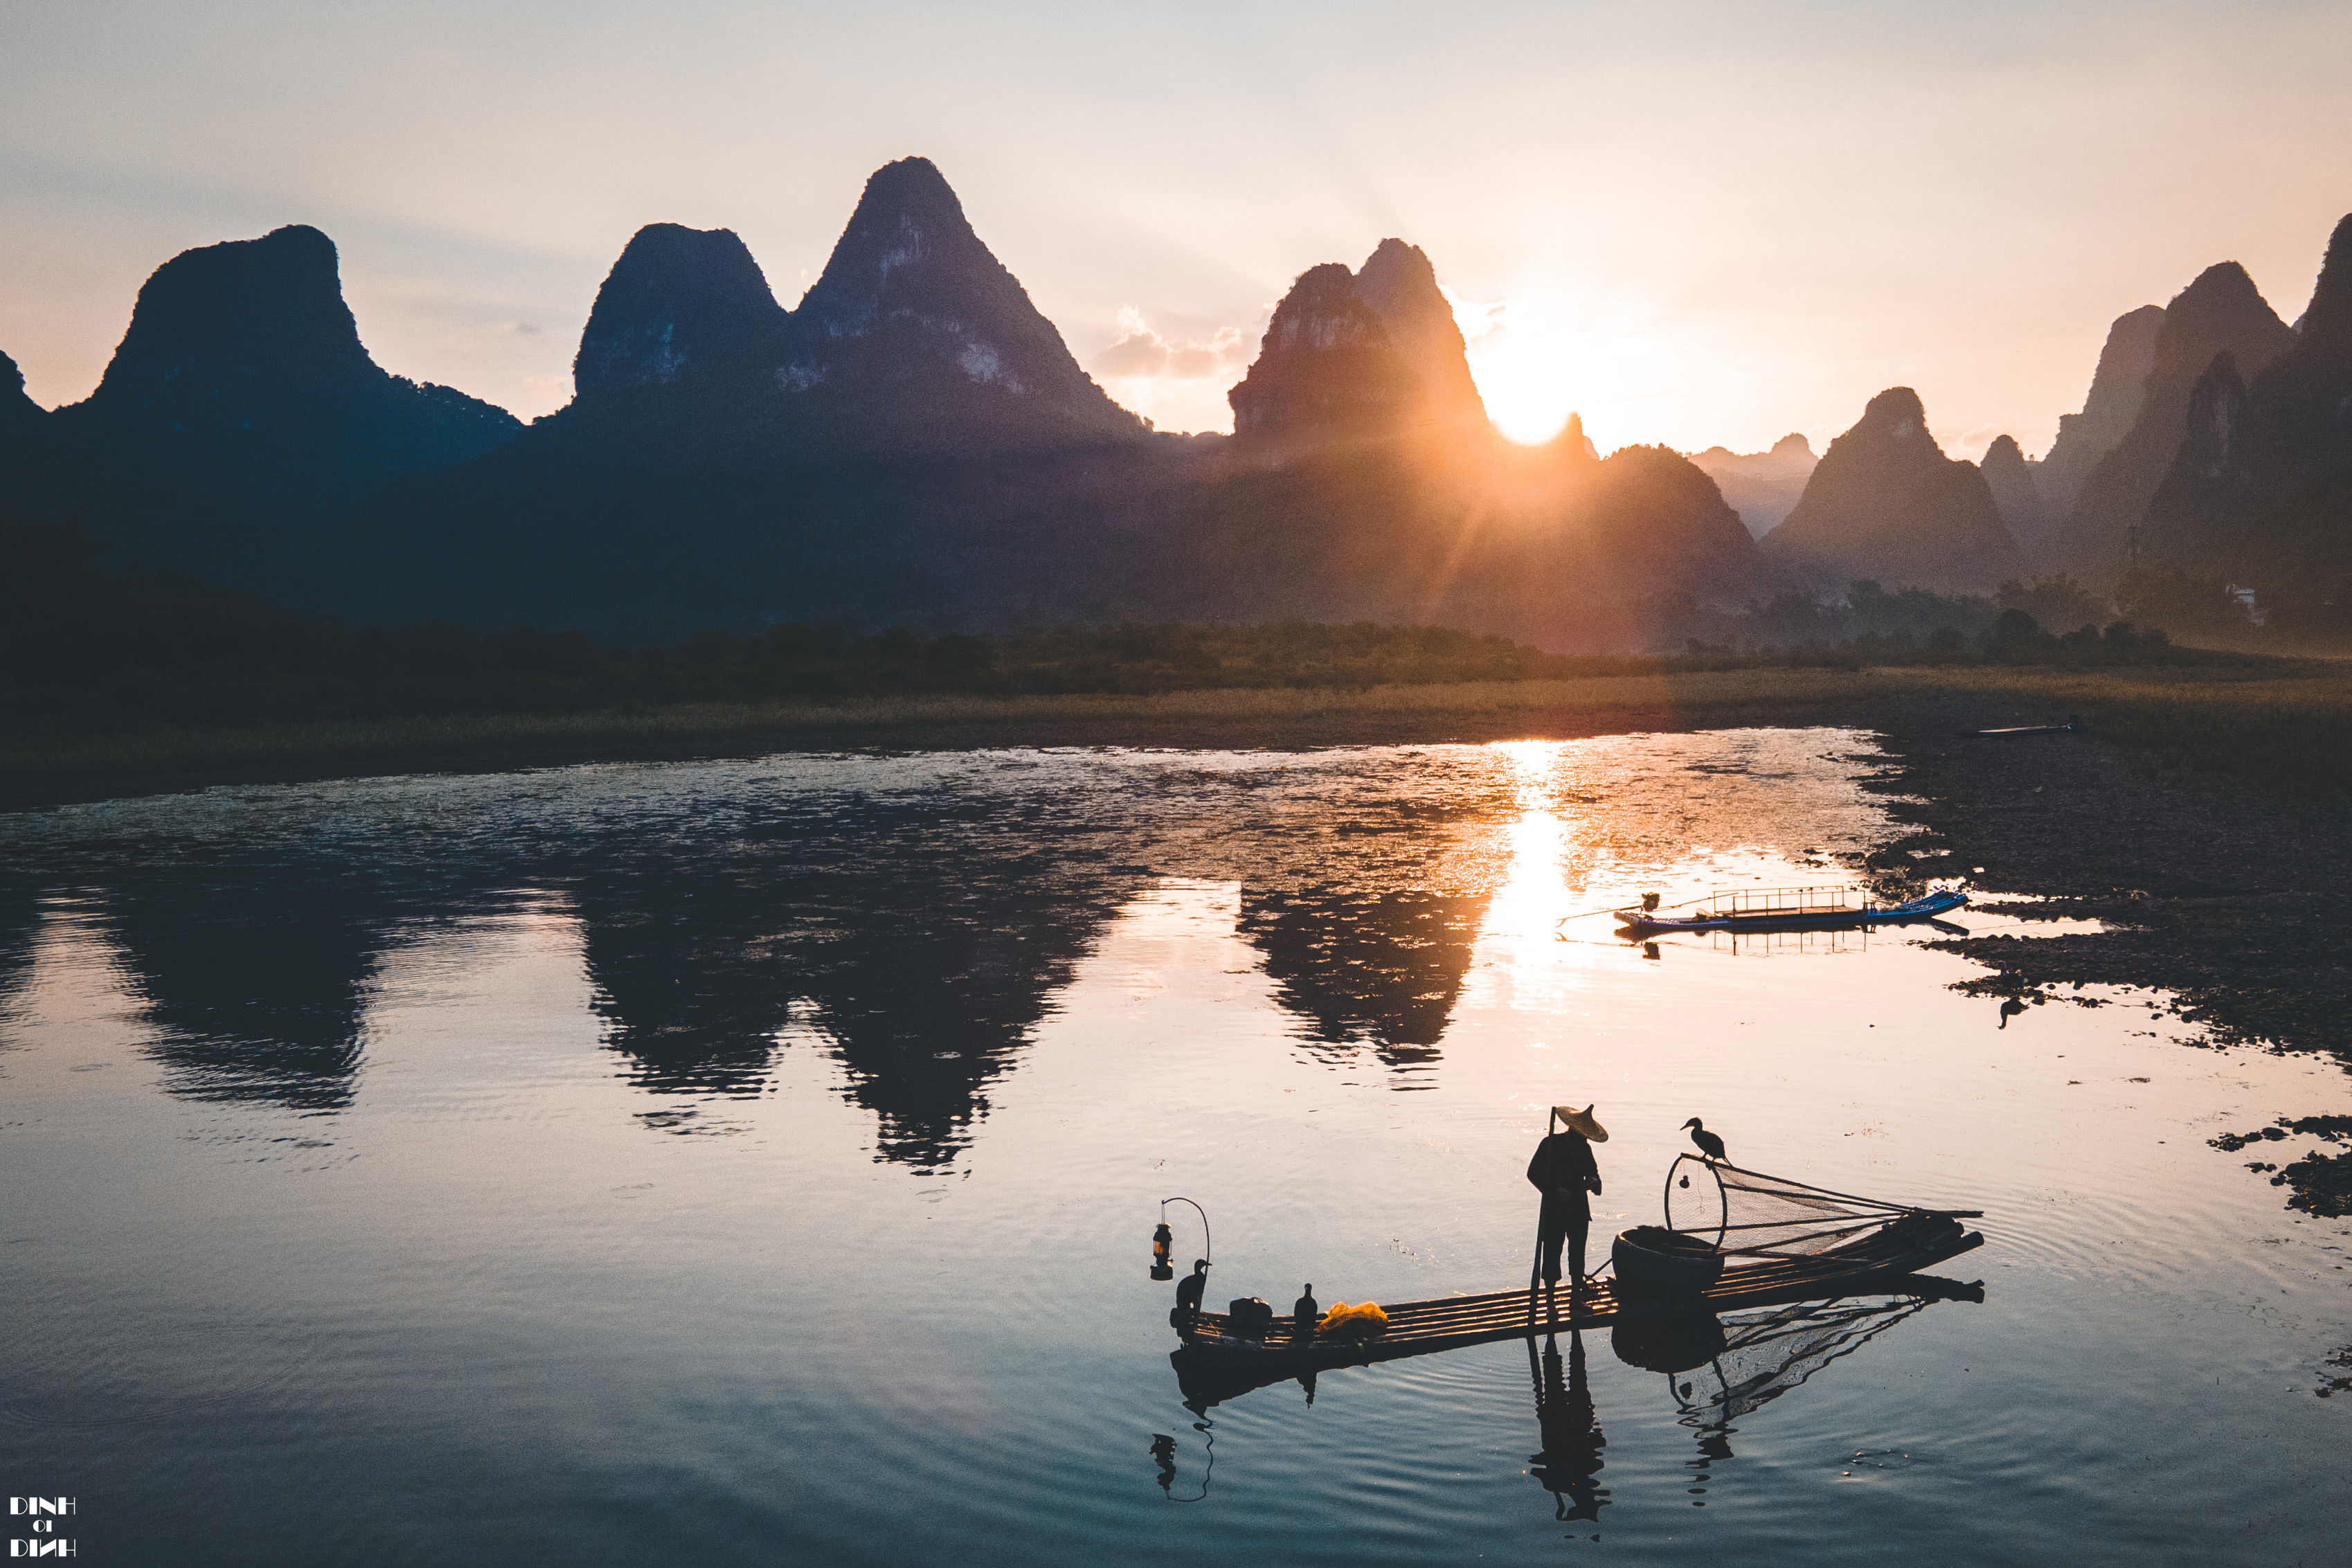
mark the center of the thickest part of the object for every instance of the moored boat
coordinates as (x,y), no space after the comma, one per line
(1792,909)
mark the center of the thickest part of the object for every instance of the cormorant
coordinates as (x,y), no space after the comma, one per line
(1709,1144)
(1189,1291)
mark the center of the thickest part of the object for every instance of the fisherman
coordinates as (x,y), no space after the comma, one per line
(1189,1291)
(1563,1170)
(1304,1314)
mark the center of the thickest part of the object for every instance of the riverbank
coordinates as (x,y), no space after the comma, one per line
(2285,726)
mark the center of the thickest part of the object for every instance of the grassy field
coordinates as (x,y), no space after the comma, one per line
(2285,726)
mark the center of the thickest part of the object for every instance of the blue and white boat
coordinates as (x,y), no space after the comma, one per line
(1790,909)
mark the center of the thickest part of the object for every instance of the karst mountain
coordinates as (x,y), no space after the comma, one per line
(2118,390)
(911,441)
(1885,504)
(241,416)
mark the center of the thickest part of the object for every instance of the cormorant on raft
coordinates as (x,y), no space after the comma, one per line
(1189,1291)
(1709,1144)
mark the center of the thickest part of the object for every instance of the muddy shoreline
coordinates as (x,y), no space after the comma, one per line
(2224,896)
(2223,893)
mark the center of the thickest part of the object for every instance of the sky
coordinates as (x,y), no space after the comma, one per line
(1695,224)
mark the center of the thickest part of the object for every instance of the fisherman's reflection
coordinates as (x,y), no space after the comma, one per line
(1570,1466)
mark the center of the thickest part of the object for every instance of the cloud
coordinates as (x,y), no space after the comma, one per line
(1141,353)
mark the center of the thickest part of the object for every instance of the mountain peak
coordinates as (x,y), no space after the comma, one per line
(2014,491)
(906,242)
(2326,325)
(1897,413)
(679,302)
(912,184)
(19,415)
(916,332)
(2118,391)
(1572,440)
(1325,366)
(270,308)
(1792,447)
(1361,353)
(1400,286)
(2220,311)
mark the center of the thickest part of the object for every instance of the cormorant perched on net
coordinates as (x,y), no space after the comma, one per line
(1709,1144)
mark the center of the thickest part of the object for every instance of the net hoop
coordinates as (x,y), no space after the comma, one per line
(1811,1215)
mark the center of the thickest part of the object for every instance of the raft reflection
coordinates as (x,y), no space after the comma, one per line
(1718,1370)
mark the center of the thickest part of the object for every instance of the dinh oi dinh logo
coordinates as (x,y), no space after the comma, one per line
(33,1526)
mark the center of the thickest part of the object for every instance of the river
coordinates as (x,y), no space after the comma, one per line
(756,1161)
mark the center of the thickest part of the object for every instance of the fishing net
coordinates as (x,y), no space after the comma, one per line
(1765,1354)
(1763,1215)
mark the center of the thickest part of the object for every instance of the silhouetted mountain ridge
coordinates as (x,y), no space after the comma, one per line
(916,335)
(913,443)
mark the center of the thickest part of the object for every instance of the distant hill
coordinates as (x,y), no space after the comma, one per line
(2017,492)
(1885,504)
(1762,487)
(1364,479)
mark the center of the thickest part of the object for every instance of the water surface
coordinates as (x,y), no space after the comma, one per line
(755,1162)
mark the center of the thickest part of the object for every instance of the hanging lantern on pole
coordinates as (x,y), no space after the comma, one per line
(1163,1240)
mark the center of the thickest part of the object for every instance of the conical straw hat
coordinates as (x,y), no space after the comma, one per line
(1577,1121)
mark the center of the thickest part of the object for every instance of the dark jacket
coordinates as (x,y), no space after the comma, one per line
(1563,1169)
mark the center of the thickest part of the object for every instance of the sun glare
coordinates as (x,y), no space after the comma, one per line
(1631,377)
(1520,362)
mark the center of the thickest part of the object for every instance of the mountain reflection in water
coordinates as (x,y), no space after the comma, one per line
(917,925)
(919,931)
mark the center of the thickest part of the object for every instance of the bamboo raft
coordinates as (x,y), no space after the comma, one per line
(1918,1240)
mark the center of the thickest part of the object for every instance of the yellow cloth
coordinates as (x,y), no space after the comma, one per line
(1361,1321)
